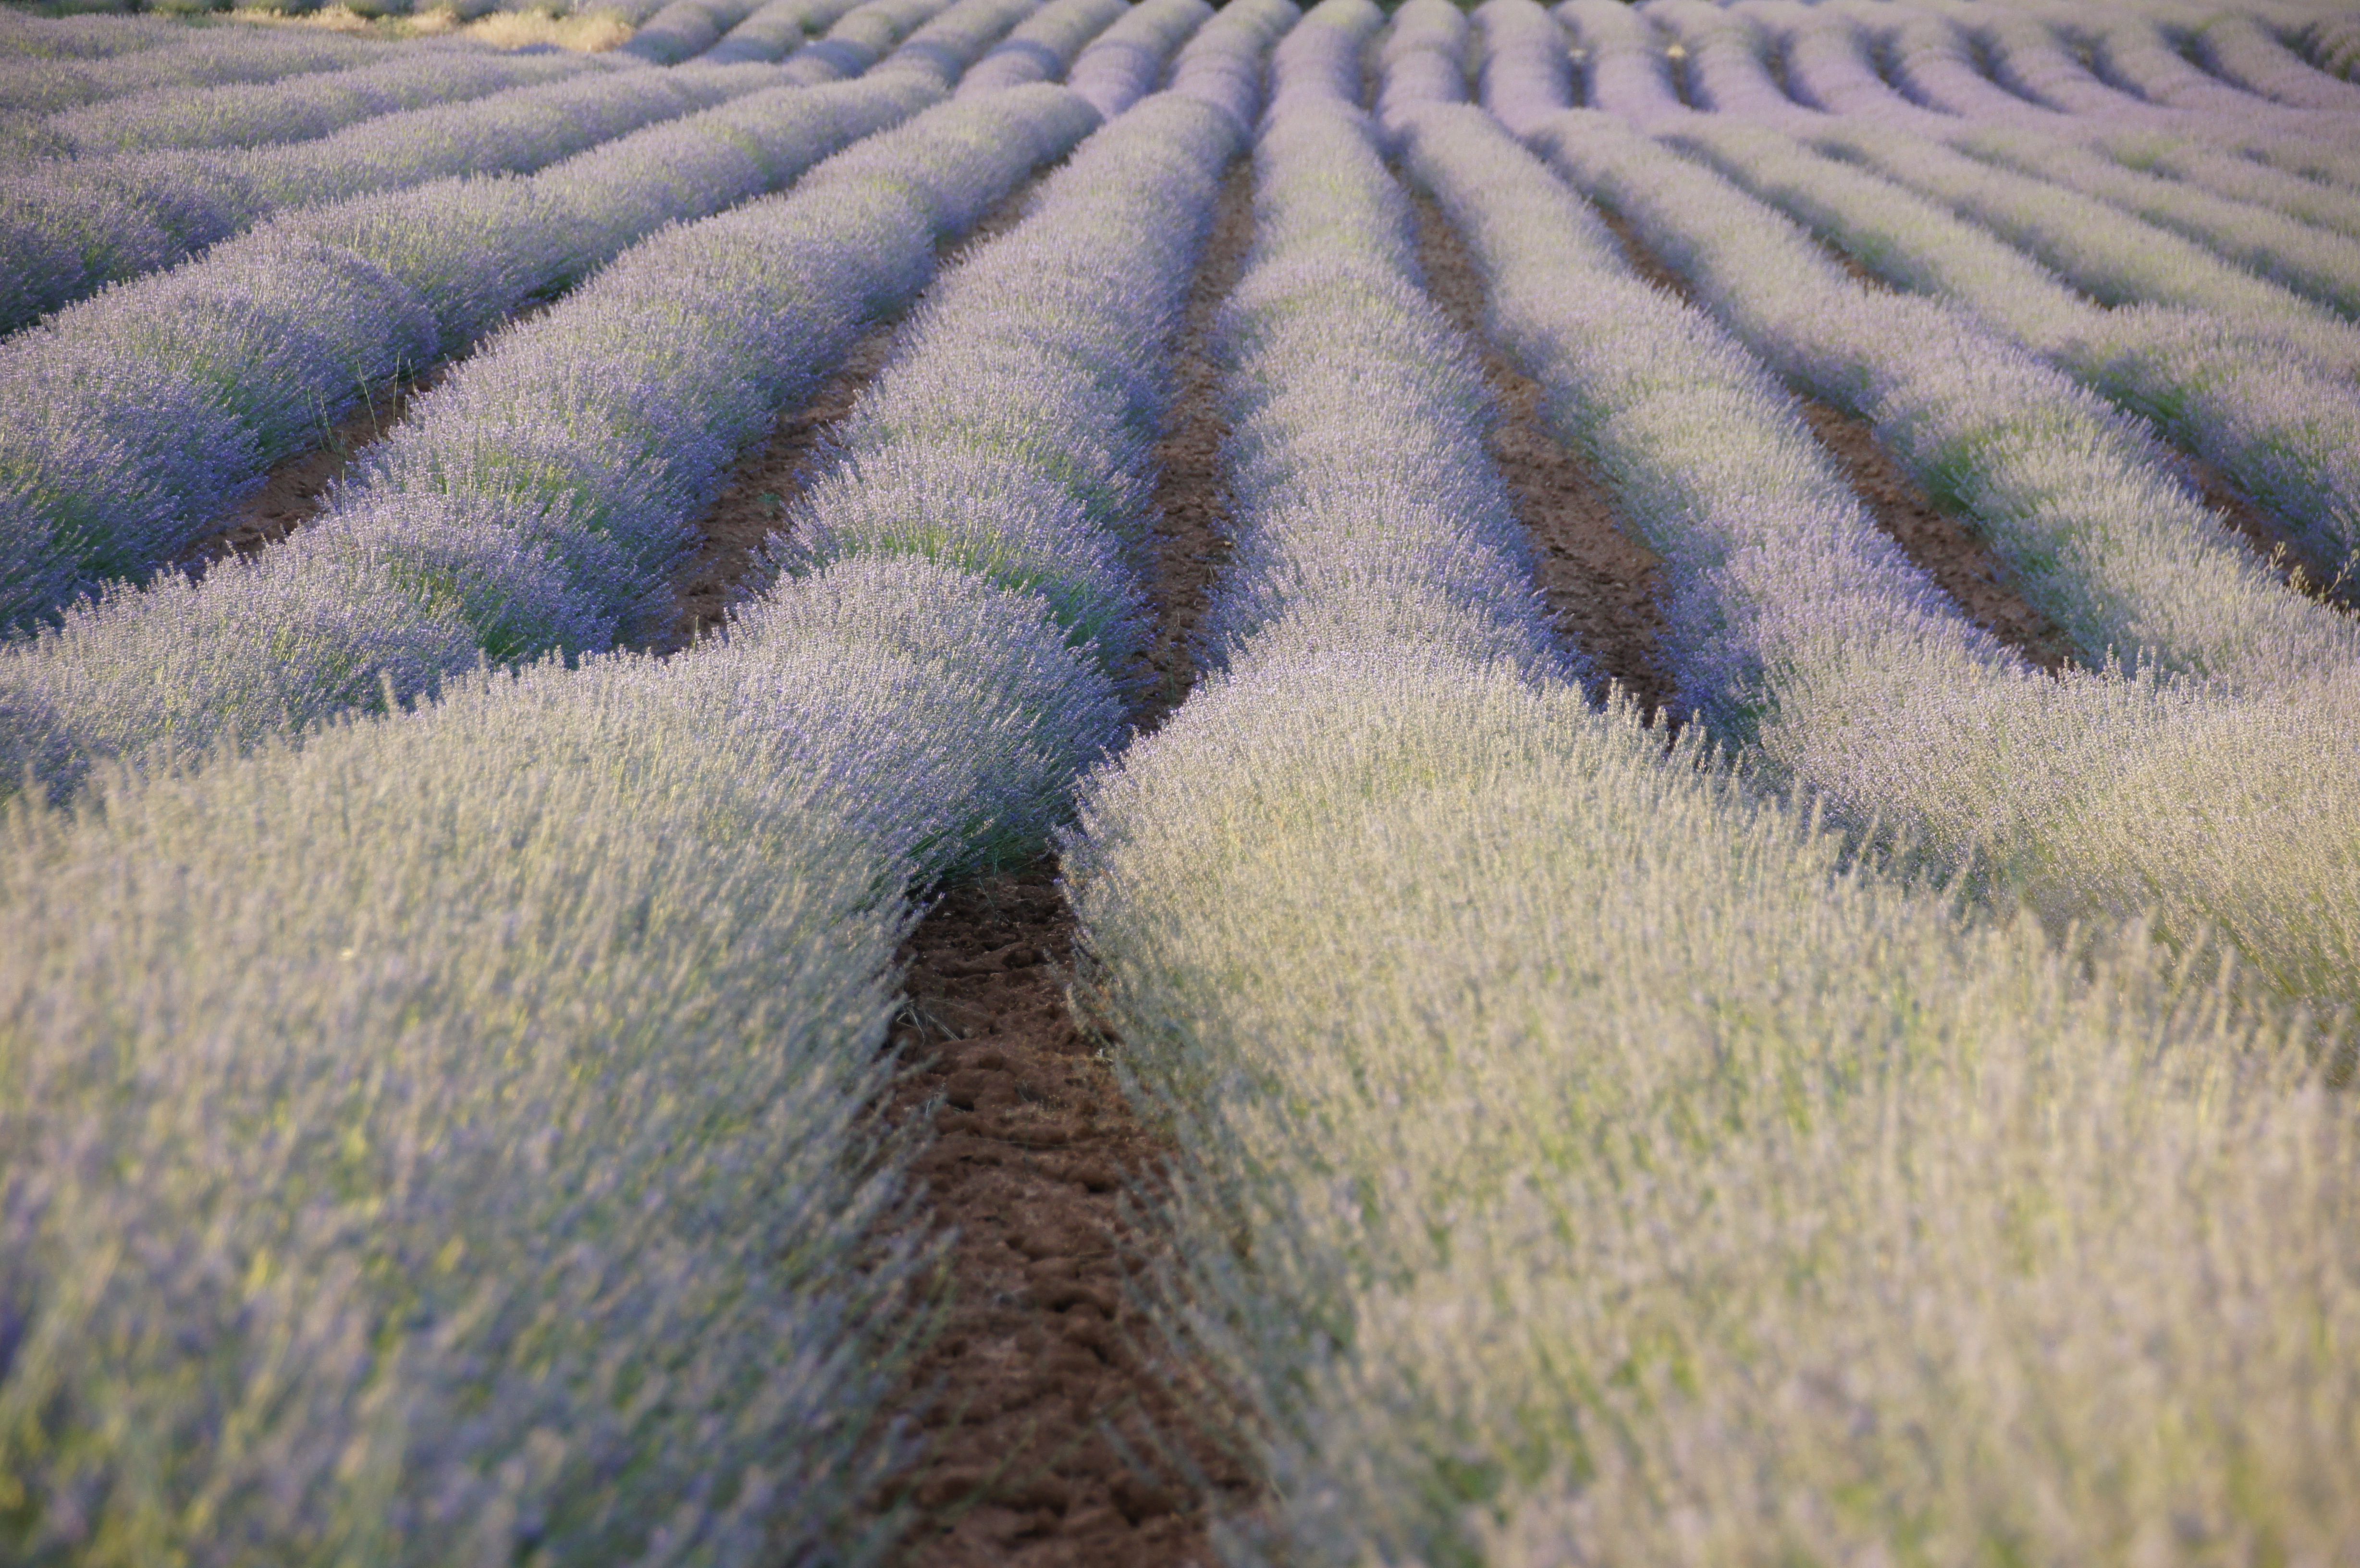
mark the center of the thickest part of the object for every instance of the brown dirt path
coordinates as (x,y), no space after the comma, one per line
(1600,578)
(1192,500)
(1975,576)
(1053,1435)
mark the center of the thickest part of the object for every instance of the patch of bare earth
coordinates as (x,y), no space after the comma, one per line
(1601,581)
(1053,1436)
(1961,564)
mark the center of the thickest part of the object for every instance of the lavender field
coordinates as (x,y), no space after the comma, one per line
(1094,784)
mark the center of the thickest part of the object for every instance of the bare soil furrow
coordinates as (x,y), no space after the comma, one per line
(297,491)
(1044,1397)
(1192,537)
(1961,564)
(1601,581)
(1054,1437)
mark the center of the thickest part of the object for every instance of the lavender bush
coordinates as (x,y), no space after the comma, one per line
(568,458)
(1043,45)
(300,108)
(1559,1118)
(774,29)
(1122,64)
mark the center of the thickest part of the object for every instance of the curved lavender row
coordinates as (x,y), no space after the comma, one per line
(1800,630)
(1002,465)
(66,230)
(773,29)
(1621,63)
(2242,50)
(683,29)
(494,1133)
(1829,67)
(323,305)
(1123,65)
(1733,78)
(853,43)
(535,501)
(128,423)
(1932,58)
(2286,431)
(186,58)
(2292,255)
(1469,1008)
(1042,45)
(1424,61)
(2119,257)
(298,108)
(1364,510)
(2110,543)
(2110,254)
(587,1056)
(1222,63)
(1528,63)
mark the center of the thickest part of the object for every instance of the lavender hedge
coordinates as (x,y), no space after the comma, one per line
(536,500)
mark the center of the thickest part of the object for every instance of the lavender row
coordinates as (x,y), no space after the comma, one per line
(102,478)
(1557,1124)
(1222,63)
(683,29)
(172,56)
(854,43)
(1123,64)
(480,1097)
(1043,45)
(1802,631)
(537,499)
(1365,512)
(2111,543)
(294,108)
(985,502)
(2285,430)
(69,229)
(779,28)
(587,1054)
(66,230)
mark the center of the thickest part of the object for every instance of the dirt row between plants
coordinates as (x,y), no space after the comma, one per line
(1600,578)
(1975,576)
(1054,1438)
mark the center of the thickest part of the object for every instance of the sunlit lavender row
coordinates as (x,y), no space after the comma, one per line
(537,498)
(1893,1104)
(1589,1158)
(68,228)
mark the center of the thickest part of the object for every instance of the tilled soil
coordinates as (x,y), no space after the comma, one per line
(1054,1437)
(1192,502)
(1044,1399)
(1598,578)
(752,506)
(1962,565)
